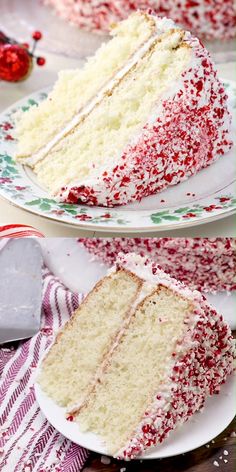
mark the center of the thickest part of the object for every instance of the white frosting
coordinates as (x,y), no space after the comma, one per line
(138,265)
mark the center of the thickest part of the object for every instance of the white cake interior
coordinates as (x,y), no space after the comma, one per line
(71,363)
(75,87)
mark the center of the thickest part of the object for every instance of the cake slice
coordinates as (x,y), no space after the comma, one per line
(147,112)
(205,264)
(170,351)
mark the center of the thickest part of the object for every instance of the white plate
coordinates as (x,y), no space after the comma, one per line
(199,430)
(211,191)
(68,259)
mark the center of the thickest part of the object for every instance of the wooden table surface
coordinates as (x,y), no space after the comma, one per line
(219,454)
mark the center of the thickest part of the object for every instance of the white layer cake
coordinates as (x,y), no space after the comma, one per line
(138,358)
(147,111)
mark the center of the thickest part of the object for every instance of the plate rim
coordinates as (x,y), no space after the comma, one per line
(115,226)
(123,229)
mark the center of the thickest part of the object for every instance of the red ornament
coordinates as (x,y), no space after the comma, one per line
(37,35)
(40,61)
(15,62)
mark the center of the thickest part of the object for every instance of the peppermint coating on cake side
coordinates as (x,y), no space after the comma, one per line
(205,264)
(212,19)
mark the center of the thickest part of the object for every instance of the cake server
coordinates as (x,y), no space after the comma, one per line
(20,289)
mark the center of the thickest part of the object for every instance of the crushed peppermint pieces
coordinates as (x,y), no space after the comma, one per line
(205,264)
(219,23)
(216,464)
(70,418)
(226,453)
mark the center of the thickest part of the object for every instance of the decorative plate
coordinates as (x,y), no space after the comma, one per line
(196,432)
(207,196)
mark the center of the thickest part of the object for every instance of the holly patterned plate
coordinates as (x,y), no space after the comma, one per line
(209,195)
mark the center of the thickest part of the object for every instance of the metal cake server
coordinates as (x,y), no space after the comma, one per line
(20,289)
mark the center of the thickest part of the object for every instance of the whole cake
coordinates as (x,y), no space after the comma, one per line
(147,111)
(205,264)
(138,358)
(210,19)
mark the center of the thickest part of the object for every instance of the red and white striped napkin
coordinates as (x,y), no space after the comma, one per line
(19,231)
(28,443)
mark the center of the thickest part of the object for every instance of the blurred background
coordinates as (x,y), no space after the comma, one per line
(20,18)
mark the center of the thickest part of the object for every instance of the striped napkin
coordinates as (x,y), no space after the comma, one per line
(28,443)
(19,231)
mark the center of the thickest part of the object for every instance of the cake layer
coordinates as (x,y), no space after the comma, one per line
(98,141)
(75,88)
(205,264)
(71,363)
(138,369)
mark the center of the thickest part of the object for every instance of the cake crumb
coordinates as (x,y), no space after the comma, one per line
(216,464)
(105,460)
(225,453)
(207,445)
